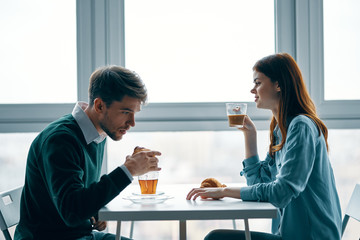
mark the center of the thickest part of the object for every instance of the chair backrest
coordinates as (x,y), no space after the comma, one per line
(9,210)
(353,208)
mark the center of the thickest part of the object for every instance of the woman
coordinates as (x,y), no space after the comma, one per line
(296,175)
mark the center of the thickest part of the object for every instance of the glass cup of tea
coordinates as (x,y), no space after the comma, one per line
(236,113)
(148,182)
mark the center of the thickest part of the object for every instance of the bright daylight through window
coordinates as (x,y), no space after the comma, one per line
(341,50)
(197,51)
(38,51)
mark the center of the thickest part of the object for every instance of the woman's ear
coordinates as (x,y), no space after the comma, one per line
(277,87)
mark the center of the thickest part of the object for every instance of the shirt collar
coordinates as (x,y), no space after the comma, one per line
(87,127)
(277,132)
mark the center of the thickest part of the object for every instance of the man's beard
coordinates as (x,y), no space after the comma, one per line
(112,135)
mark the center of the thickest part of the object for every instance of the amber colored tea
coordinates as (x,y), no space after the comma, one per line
(236,120)
(148,186)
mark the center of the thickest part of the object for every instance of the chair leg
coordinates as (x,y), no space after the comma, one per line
(344,223)
(6,234)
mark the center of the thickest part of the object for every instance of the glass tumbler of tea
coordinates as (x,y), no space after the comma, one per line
(148,182)
(236,113)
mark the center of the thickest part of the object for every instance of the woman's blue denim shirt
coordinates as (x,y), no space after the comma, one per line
(299,180)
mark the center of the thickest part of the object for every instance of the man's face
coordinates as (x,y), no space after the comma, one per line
(116,119)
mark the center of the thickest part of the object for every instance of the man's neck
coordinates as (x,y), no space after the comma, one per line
(90,112)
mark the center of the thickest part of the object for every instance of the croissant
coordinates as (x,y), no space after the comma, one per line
(211,182)
(140,149)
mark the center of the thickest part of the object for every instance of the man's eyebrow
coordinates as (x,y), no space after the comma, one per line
(255,79)
(127,109)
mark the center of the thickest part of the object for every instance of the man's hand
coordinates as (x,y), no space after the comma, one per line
(142,162)
(98,225)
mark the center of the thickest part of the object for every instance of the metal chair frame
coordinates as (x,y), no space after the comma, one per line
(353,208)
(9,210)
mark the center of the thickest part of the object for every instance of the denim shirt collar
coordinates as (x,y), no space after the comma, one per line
(277,132)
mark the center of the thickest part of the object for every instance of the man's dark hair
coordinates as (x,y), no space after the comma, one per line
(112,83)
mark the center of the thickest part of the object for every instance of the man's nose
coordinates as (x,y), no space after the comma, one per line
(131,120)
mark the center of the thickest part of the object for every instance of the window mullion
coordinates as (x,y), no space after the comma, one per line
(84,46)
(316,51)
(115,32)
(285,27)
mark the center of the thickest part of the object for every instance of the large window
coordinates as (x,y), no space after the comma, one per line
(38,51)
(197,51)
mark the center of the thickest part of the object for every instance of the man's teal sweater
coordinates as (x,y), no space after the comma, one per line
(63,189)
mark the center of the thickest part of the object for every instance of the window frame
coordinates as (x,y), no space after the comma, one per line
(100,41)
(310,56)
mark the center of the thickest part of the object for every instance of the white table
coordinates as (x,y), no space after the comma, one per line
(178,208)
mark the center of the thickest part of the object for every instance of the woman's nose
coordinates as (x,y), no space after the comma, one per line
(252,90)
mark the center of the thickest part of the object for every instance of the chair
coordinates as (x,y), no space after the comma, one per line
(9,210)
(353,208)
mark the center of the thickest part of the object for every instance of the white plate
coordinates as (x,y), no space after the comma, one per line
(148,199)
(149,195)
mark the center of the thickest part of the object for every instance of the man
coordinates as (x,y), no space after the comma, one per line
(63,191)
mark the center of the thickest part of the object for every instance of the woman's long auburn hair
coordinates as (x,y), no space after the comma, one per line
(294,97)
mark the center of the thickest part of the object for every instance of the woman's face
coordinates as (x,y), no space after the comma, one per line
(266,92)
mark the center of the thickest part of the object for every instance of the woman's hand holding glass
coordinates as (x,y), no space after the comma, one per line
(248,126)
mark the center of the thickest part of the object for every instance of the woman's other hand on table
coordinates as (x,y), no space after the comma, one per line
(215,193)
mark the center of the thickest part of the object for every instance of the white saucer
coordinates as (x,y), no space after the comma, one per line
(148,199)
(148,195)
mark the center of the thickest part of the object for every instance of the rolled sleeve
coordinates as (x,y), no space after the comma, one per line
(248,163)
(256,171)
(246,193)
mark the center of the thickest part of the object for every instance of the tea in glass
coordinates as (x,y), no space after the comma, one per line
(148,182)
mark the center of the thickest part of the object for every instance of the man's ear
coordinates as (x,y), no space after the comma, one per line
(99,105)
